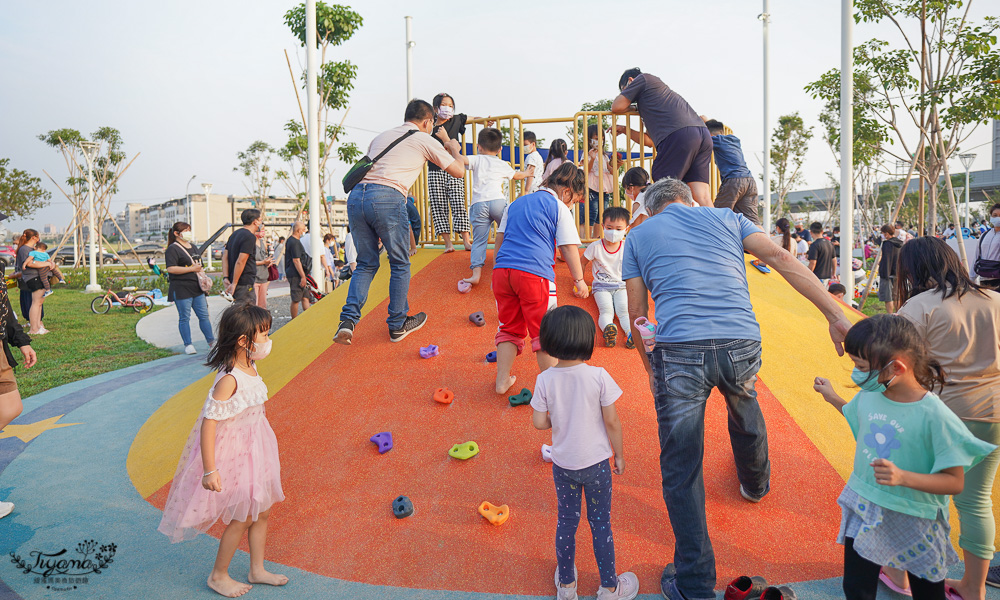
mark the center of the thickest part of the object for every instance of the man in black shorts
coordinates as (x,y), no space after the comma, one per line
(239,270)
(683,145)
(295,270)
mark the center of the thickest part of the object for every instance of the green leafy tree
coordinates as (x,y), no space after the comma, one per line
(789,144)
(20,193)
(255,167)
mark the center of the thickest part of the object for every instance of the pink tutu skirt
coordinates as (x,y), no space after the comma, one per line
(246,455)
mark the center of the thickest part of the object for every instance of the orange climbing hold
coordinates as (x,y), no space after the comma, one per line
(444,395)
(494,514)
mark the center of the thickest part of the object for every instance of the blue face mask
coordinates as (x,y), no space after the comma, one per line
(868,380)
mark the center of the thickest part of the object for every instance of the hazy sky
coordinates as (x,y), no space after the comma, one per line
(189,84)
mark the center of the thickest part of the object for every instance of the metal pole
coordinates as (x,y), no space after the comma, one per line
(409,57)
(312,115)
(207,187)
(88,149)
(966,196)
(187,200)
(847,146)
(766,18)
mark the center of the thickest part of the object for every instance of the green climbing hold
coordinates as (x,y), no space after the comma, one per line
(464,451)
(523,398)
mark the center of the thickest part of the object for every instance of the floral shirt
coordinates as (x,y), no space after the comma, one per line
(922,437)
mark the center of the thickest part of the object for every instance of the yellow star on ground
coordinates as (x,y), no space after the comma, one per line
(28,432)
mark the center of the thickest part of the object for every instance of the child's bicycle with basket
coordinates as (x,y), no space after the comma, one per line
(141,302)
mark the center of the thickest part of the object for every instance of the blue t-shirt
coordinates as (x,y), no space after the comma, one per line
(691,260)
(532,227)
(729,157)
(921,437)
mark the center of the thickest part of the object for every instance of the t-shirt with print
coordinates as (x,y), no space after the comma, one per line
(242,242)
(606,265)
(922,437)
(534,159)
(182,285)
(488,173)
(533,226)
(293,249)
(822,251)
(401,166)
(663,110)
(700,290)
(573,397)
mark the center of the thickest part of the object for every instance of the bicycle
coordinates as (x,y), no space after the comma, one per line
(141,302)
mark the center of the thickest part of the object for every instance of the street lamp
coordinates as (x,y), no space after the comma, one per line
(967,160)
(89,153)
(207,188)
(187,200)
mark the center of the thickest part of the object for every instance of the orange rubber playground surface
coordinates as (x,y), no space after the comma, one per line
(336,522)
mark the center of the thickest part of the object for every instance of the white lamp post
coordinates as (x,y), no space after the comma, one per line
(967,160)
(207,187)
(89,153)
(187,201)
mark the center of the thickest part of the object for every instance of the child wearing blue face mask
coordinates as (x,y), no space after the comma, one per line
(912,452)
(609,289)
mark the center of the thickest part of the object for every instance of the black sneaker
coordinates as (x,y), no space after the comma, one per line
(345,333)
(993,576)
(410,325)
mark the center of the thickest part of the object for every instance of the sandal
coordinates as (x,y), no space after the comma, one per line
(884,578)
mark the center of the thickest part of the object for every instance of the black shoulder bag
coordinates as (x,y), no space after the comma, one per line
(987,269)
(361,168)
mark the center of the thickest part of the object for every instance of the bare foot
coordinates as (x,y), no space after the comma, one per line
(227,586)
(468,247)
(267,578)
(964,592)
(502,388)
(449,248)
(471,280)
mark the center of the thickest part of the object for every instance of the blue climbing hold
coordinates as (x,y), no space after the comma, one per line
(491,357)
(402,507)
(383,441)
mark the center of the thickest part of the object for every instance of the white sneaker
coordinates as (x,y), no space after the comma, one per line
(6,508)
(628,588)
(189,349)
(566,593)
(47,293)
(226,296)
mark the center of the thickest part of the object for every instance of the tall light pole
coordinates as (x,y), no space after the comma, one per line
(187,201)
(312,132)
(409,57)
(89,153)
(765,17)
(967,160)
(207,188)
(847,146)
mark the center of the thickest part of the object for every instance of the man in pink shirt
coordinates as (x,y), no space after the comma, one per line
(376,210)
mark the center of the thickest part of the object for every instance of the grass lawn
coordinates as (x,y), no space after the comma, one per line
(873,306)
(81,344)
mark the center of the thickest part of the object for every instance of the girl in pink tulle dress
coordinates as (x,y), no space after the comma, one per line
(229,469)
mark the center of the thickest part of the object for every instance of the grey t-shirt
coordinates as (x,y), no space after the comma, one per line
(663,111)
(22,256)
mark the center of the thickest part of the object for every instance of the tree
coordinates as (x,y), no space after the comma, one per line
(256,169)
(20,193)
(789,143)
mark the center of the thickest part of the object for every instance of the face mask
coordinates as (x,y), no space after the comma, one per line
(187,236)
(995,221)
(868,380)
(260,351)
(593,143)
(446,112)
(614,235)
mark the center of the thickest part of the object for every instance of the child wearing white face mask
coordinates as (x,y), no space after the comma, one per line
(609,290)
(229,468)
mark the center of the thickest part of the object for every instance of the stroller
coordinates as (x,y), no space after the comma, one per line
(313,291)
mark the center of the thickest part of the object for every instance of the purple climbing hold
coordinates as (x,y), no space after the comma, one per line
(429,351)
(492,356)
(383,441)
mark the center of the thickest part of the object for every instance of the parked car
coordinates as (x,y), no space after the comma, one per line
(143,251)
(6,258)
(65,257)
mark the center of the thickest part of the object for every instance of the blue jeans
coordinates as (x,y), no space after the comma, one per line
(378,212)
(481,216)
(685,374)
(594,482)
(594,200)
(200,305)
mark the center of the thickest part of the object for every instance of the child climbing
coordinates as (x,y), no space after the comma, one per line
(229,468)
(577,401)
(529,233)
(488,201)
(912,452)
(634,184)
(609,290)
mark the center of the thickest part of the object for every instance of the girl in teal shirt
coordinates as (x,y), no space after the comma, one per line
(912,452)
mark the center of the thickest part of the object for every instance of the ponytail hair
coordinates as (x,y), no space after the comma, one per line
(785,228)
(569,176)
(27,235)
(636,176)
(176,230)
(557,149)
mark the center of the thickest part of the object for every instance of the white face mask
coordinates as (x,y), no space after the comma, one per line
(995,221)
(260,351)
(187,236)
(446,112)
(614,235)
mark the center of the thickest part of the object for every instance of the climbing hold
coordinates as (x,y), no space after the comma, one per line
(429,351)
(383,441)
(492,356)
(478,318)
(523,398)
(546,453)
(494,514)
(760,266)
(444,395)
(464,286)
(402,507)
(464,451)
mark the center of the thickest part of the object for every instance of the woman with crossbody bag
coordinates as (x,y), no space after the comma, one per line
(987,263)
(188,285)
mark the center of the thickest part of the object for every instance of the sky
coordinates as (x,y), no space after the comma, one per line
(189,84)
